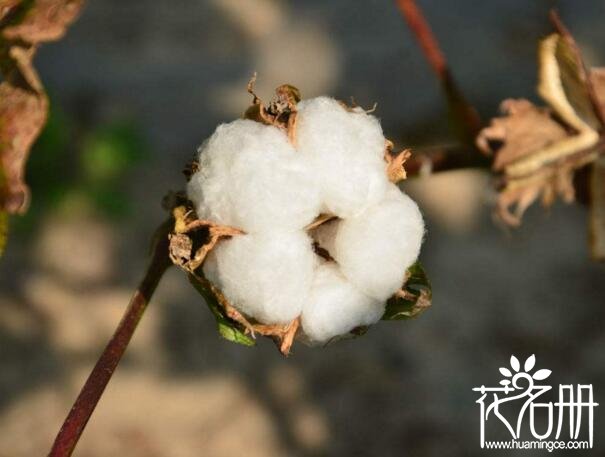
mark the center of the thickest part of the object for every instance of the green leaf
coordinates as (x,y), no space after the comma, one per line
(228,328)
(110,151)
(414,298)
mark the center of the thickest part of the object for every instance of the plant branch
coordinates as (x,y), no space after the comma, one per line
(435,160)
(464,115)
(89,396)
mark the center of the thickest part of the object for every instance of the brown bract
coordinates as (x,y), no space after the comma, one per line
(280,112)
(395,169)
(24,25)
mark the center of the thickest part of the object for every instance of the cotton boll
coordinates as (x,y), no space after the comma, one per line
(266,276)
(252,178)
(375,248)
(346,149)
(336,307)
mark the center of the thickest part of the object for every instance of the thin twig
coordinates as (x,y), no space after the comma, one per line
(87,400)
(464,114)
(434,160)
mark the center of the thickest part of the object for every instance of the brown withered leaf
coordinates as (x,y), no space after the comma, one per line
(23,102)
(42,20)
(522,129)
(537,153)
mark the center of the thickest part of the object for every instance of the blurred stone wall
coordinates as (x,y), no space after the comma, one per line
(179,68)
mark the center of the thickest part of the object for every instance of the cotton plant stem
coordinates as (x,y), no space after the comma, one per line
(89,396)
(465,116)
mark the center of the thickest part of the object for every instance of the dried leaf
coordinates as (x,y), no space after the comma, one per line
(539,156)
(414,297)
(23,103)
(43,20)
(522,130)
(22,116)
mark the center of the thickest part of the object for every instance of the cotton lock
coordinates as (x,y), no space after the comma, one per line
(253,177)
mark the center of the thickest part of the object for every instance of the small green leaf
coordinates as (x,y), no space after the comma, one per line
(415,296)
(228,328)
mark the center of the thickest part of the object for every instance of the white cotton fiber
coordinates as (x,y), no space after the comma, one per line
(375,248)
(336,307)
(266,276)
(346,150)
(251,177)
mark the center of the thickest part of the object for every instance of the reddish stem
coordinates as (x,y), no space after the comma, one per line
(423,33)
(89,396)
(464,114)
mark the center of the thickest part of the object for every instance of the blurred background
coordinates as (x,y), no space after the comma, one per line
(135,87)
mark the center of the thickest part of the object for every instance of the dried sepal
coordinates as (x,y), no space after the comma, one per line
(192,239)
(280,112)
(228,327)
(395,162)
(414,297)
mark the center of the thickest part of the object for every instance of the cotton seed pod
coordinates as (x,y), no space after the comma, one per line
(292,224)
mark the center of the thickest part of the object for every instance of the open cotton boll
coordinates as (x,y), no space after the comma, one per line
(266,276)
(336,307)
(346,149)
(375,248)
(251,177)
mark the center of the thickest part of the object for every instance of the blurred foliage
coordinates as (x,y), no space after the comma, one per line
(78,170)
